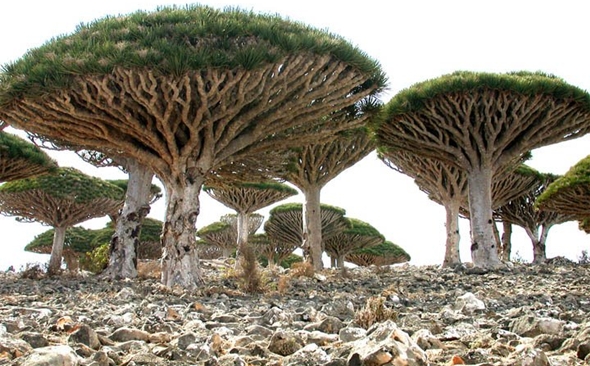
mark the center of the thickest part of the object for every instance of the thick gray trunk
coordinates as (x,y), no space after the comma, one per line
(340,261)
(506,240)
(180,260)
(483,242)
(59,236)
(312,227)
(452,255)
(333,262)
(243,231)
(125,240)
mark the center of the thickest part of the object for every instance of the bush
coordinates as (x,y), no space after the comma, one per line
(584,258)
(374,311)
(96,260)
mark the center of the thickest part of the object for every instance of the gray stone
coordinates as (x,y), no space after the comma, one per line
(85,335)
(532,326)
(129,334)
(52,356)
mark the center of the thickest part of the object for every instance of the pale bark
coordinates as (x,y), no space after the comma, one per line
(506,240)
(539,241)
(123,248)
(180,260)
(312,227)
(483,241)
(452,256)
(243,231)
(59,236)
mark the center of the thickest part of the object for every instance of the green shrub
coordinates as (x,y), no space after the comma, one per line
(96,260)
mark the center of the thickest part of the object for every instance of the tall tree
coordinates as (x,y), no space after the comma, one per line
(315,166)
(357,235)
(446,185)
(521,212)
(184,90)
(20,159)
(483,122)
(285,223)
(384,254)
(61,200)
(246,198)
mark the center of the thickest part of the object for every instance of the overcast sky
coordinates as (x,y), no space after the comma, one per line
(413,41)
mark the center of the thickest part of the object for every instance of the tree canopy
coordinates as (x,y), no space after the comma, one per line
(383,254)
(357,235)
(21,159)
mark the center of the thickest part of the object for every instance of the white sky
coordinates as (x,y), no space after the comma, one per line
(414,41)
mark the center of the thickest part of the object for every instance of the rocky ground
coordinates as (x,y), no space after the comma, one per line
(405,315)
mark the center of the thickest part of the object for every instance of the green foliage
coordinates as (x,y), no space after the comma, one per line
(299,207)
(416,97)
(151,229)
(67,183)
(173,41)
(290,260)
(577,176)
(96,260)
(361,228)
(384,251)
(215,227)
(155,190)
(77,239)
(262,186)
(13,147)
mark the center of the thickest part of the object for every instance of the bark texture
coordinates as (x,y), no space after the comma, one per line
(125,240)
(59,236)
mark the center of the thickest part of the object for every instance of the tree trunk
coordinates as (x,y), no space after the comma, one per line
(59,236)
(539,244)
(506,240)
(312,227)
(340,261)
(452,254)
(333,260)
(125,240)
(243,230)
(483,242)
(180,260)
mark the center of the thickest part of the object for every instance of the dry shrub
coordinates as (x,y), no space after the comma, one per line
(302,269)
(374,311)
(33,271)
(249,276)
(283,284)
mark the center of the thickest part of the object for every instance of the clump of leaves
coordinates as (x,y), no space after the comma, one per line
(302,269)
(373,312)
(96,260)
(584,257)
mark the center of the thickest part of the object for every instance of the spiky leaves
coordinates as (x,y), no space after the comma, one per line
(220,234)
(384,254)
(20,159)
(248,197)
(61,200)
(359,234)
(184,90)
(482,123)
(285,223)
(569,194)
(522,212)
(314,166)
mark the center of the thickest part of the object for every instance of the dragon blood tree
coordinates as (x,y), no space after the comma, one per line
(357,235)
(569,194)
(220,234)
(285,223)
(446,185)
(521,211)
(76,240)
(482,123)
(20,159)
(184,90)
(148,243)
(384,254)
(314,166)
(61,200)
(246,198)
(140,193)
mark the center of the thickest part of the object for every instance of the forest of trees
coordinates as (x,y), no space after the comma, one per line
(245,107)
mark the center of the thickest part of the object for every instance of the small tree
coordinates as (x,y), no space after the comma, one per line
(384,254)
(61,200)
(285,223)
(482,123)
(536,223)
(20,159)
(246,198)
(272,250)
(221,234)
(76,240)
(357,235)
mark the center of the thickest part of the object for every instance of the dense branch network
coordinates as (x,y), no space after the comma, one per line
(19,159)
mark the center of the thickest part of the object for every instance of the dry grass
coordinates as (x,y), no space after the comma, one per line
(373,312)
(302,269)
